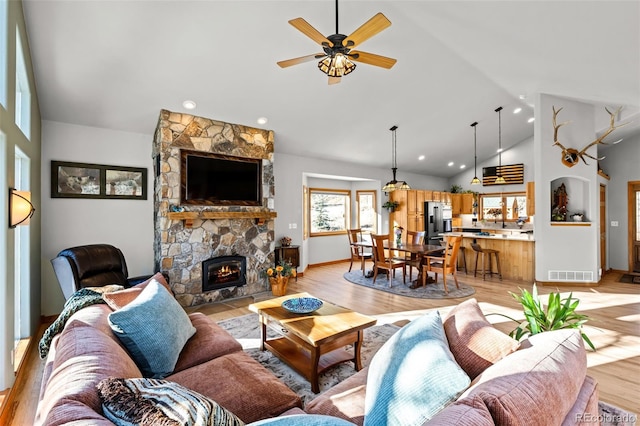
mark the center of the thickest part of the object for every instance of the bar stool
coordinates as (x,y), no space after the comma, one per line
(479,250)
(464,259)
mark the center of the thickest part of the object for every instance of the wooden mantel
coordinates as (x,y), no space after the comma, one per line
(189,217)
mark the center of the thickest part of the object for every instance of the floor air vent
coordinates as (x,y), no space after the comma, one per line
(571,276)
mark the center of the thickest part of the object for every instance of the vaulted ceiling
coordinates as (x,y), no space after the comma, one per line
(115,64)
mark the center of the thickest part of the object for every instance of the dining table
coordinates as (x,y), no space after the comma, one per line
(417,250)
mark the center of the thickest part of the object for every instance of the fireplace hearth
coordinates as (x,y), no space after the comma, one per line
(224,271)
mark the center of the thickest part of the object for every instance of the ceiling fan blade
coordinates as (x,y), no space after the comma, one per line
(334,80)
(367,30)
(305,28)
(300,60)
(372,59)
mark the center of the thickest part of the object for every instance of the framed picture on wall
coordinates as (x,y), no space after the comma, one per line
(84,180)
(126,182)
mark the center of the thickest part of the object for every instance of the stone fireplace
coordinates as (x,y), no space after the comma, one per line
(186,236)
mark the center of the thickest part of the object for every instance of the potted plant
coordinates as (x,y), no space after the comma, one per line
(391,205)
(279,277)
(559,314)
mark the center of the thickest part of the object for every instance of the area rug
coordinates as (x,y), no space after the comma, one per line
(430,291)
(246,330)
(628,278)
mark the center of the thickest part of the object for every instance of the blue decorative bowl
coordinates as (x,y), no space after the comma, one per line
(302,305)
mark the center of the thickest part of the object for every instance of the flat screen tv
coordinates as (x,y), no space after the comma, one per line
(219,180)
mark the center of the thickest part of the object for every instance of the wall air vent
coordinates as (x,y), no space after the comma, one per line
(571,276)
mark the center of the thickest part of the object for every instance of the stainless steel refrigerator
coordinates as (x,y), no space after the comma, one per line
(437,220)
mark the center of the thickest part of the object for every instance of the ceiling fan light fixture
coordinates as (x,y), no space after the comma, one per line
(337,65)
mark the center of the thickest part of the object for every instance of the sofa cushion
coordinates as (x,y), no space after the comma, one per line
(84,356)
(159,402)
(119,299)
(209,341)
(539,383)
(154,328)
(241,385)
(471,413)
(344,400)
(413,375)
(474,342)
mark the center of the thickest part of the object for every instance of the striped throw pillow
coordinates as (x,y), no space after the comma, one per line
(156,402)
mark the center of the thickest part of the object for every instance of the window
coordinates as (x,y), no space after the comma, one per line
(367,215)
(23,91)
(328,211)
(509,206)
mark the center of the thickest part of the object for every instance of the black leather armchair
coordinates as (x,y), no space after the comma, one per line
(94,265)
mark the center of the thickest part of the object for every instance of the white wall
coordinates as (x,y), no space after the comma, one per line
(68,222)
(621,164)
(565,248)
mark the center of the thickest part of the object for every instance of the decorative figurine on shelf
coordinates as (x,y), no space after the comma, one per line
(285,241)
(560,201)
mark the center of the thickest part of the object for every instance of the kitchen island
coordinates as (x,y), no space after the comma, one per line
(517,252)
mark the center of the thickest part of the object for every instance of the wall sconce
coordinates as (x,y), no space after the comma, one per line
(20,207)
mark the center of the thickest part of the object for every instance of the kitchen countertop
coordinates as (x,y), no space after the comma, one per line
(515,236)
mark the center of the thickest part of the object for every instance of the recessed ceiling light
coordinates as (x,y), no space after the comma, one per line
(531,120)
(189,104)
(517,110)
(450,163)
(421,157)
(462,166)
(499,150)
(262,120)
(523,97)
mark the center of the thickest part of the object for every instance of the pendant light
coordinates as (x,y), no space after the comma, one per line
(475,180)
(499,178)
(393,184)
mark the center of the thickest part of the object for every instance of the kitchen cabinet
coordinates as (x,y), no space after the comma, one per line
(437,196)
(445,197)
(410,212)
(428,195)
(456,204)
(467,203)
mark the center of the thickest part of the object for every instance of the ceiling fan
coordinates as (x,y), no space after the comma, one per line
(336,60)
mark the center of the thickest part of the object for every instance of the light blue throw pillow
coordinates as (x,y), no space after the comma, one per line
(303,419)
(154,328)
(413,376)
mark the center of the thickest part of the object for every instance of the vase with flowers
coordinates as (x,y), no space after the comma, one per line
(279,277)
(398,231)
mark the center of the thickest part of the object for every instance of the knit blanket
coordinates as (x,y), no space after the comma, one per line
(78,300)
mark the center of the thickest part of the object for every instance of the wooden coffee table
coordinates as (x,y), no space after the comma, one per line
(311,343)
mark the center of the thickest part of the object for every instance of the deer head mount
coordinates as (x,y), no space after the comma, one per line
(570,156)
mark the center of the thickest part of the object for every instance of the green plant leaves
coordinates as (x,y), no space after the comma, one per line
(559,314)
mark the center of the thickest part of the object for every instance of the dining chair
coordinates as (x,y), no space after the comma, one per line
(381,260)
(358,252)
(445,264)
(412,259)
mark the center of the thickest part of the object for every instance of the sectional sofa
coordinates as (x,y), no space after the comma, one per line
(454,370)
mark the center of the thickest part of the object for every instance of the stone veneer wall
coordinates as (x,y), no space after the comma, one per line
(178,250)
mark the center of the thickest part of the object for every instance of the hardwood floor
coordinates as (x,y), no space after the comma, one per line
(614,328)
